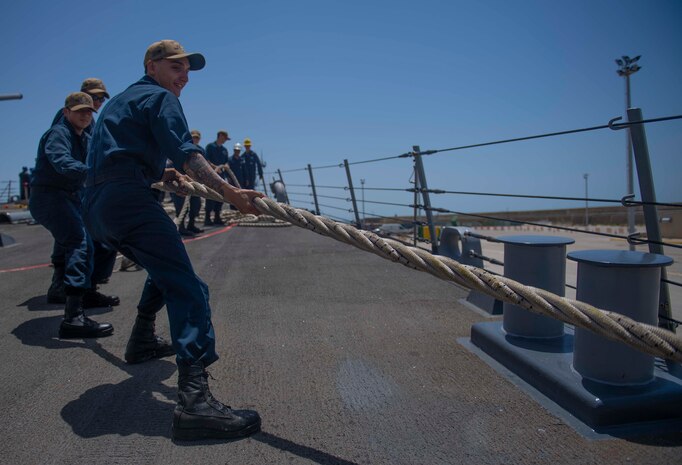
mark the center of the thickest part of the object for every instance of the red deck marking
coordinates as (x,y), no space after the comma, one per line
(203,236)
(214,233)
(24,268)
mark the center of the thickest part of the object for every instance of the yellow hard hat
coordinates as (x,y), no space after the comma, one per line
(247,141)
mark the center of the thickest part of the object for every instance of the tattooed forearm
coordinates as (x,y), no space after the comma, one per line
(200,170)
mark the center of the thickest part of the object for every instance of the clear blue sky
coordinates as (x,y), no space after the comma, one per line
(319,81)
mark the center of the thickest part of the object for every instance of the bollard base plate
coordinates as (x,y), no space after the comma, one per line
(483,304)
(6,240)
(545,367)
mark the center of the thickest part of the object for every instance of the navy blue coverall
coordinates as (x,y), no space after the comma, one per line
(55,200)
(237,167)
(216,154)
(103,258)
(134,134)
(251,166)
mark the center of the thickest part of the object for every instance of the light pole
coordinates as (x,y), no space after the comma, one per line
(362,183)
(587,217)
(628,66)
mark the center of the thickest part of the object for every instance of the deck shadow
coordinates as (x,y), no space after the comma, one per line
(141,404)
(306,452)
(39,303)
(42,332)
(285,445)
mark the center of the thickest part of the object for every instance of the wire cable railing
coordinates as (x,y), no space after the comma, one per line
(332,187)
(345,199)
(344,220)
(299,193)
(336,208)
(610,125)
(419,188)
(674,283)
(626,201)
(630,238)
(376,202)
(376,215)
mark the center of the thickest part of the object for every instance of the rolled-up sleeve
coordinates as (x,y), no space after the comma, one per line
(58,151)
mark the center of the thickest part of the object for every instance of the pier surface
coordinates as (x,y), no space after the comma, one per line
(349,358)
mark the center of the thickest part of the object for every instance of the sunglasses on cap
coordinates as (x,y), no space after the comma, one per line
(97,98)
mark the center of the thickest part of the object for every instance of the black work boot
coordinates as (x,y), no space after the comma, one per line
(144,344)
(127,263)
(185,232)
(192,227)
(199,415)
(56,293)
(94,299)
(76,325)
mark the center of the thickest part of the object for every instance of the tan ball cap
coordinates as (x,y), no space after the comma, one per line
(79,100)
(172,50)
(94,86)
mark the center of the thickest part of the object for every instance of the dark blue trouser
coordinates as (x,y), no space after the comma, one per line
(60,212)
(125,214)
(194,206)
(213,206)
(103,258)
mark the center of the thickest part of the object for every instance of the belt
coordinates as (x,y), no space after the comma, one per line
(121,169)
(49,189)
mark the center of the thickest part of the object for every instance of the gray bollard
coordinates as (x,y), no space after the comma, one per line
(538,261)
(626,282)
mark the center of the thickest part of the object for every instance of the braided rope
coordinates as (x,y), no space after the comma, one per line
(646,338)
(226,168)
(180,218)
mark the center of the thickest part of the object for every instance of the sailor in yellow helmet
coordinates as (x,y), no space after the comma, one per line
(252,166)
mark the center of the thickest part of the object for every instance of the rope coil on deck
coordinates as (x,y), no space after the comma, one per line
(646,338)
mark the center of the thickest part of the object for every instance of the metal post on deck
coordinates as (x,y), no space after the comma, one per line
(416,201)
(419,170)
(312,185)
(352,194)
(646,188)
